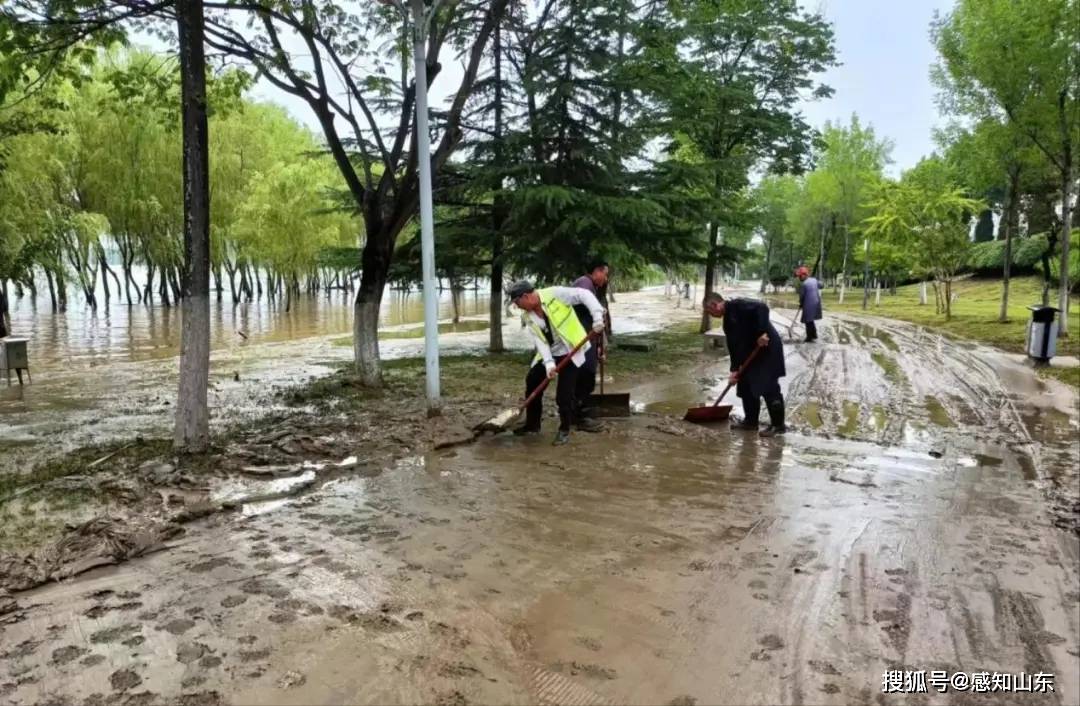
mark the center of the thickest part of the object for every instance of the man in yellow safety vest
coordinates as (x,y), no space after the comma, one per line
(548,315)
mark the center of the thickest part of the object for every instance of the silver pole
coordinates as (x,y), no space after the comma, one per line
(427,234)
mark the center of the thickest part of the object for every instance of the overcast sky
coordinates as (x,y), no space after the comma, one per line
(885,53)
(885,50)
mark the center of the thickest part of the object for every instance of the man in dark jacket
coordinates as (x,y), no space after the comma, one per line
(746,327)
(809,302)
(595,281)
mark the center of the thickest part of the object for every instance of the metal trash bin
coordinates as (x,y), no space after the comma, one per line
(1042,333)
(13,356)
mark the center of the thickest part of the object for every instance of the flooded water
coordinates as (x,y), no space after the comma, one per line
(120,333)
(113,375)
(100,375)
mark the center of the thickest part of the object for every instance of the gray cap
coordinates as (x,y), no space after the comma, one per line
(519,288)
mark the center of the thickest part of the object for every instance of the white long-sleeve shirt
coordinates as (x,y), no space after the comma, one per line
(570,296)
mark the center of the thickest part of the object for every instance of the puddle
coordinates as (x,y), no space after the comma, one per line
(851,418)
(890,367)
(811,412)
(675,398)
(263,507)
(868,332)
(916,435)
(1049,425)
(880,418)
(937,412)
(252,492)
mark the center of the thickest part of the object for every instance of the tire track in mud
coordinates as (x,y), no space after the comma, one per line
(841,389)
(930,363)
(987,405)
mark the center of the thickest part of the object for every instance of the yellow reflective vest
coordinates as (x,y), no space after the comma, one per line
(562,320)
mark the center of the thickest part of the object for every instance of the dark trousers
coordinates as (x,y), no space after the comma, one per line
(774,402)
(811,331)
(586,377)
(565,395)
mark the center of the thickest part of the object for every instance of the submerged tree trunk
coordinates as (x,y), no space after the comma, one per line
(149,291)
(61,291)
(124,245)
(455,301)
(245,286)
(52,289)
(104,276)
(103,265)
(5,317)
(174,283)
(163,286)
(230,270)
(217,281)
(192,432)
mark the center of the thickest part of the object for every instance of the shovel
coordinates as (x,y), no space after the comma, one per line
(717,412)
(793,322)
(616,404)
(503,420)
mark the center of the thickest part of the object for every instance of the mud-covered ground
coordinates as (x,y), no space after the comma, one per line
(916,518)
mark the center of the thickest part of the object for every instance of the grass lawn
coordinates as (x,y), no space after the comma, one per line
(974,314)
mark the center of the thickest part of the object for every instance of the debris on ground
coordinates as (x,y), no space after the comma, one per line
(98,542)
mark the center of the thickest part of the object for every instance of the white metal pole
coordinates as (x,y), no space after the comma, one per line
(427,234)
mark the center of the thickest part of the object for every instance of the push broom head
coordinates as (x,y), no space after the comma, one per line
(704,415)
(500,422)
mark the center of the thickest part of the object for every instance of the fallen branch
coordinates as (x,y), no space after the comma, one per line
(103,459)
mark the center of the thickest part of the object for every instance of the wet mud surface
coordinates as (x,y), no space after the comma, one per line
(907,522)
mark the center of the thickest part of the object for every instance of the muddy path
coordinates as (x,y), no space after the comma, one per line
(906,523)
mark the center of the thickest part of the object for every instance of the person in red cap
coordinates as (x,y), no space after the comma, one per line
(809,302)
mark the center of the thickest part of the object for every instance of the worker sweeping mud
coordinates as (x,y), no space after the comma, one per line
(746,327)
(548,315)
(809,302)
(595,282)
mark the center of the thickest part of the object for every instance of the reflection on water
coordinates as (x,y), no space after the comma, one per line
(84,338)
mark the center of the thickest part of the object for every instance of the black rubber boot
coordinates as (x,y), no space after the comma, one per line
(776,419)
(526,431)
(591,425)
(563,437)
